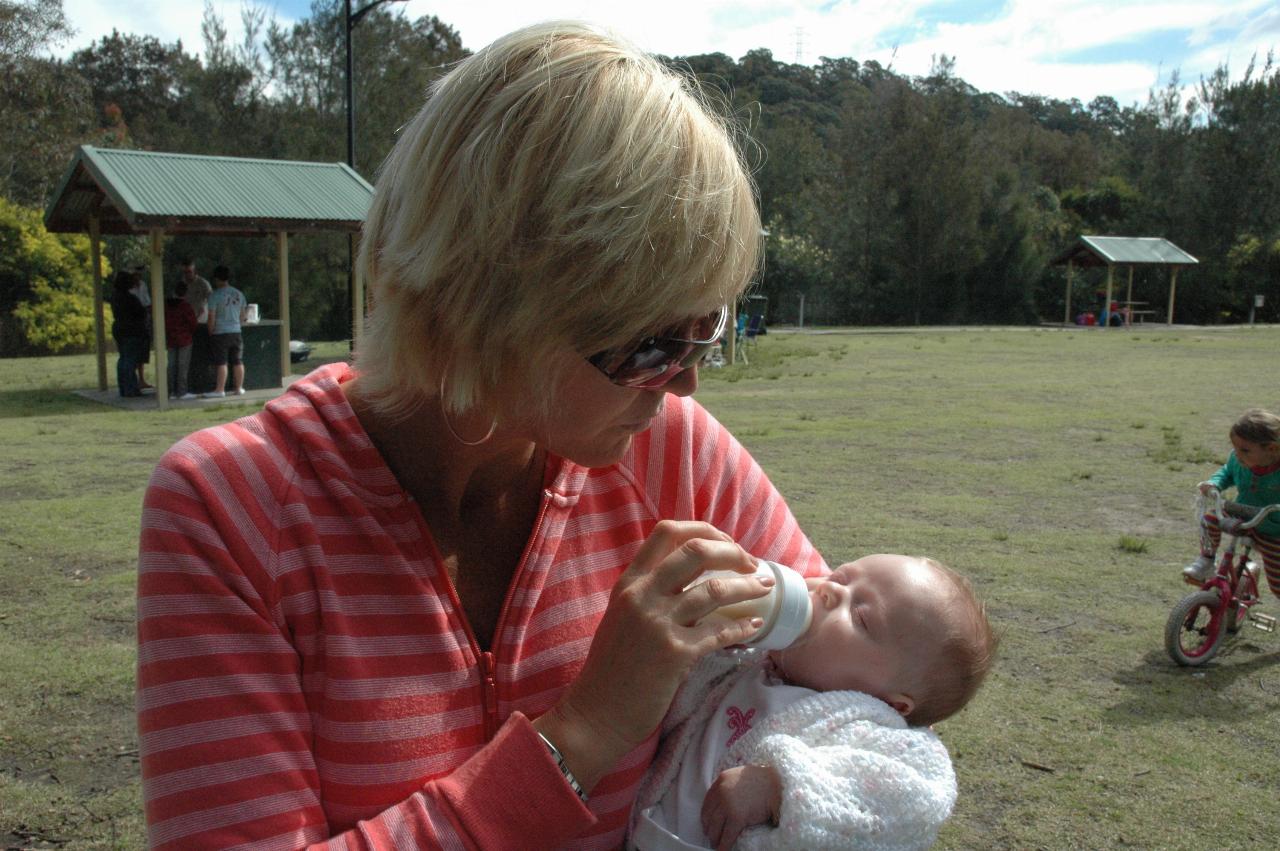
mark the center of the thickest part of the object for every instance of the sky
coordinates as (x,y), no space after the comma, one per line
(1057,48)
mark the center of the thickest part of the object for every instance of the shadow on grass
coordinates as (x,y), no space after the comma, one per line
(1160,689)
(49,402)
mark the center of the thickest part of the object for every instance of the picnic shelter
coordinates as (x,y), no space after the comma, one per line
(116,191)
(1128,251)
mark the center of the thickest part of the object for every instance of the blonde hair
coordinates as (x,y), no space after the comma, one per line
(560,193)
(957,668)
(1257,426)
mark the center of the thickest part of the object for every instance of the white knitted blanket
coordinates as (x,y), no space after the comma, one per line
(854,775)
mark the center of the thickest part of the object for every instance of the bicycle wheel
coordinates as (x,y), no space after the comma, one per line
(1195,628)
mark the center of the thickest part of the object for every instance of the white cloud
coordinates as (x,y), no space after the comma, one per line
(167,21)
(1026,48)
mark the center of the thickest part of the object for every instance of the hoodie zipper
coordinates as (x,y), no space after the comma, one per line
(488,662)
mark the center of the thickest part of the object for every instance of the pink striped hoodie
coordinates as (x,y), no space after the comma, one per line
(306,675)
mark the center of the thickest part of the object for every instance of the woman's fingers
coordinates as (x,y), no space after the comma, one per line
(654,629)
(702,598)
(668,536)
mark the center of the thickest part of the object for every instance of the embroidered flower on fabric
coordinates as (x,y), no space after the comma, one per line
(739,723)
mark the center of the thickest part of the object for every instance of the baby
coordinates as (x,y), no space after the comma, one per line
(825,744)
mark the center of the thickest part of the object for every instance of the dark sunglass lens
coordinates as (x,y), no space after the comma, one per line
(648,361)
(657,360)
(696,354)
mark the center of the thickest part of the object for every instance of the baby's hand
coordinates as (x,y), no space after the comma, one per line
(740,798)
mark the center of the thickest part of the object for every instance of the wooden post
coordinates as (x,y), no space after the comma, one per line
(157,319)
(1128,301)
(1106,305)
(1173,288)
(99,315)
(282,246)
(1070,268)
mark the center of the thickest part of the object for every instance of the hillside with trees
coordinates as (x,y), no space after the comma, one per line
(889,199)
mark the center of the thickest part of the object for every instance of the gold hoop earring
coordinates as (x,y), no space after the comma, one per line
(444,412)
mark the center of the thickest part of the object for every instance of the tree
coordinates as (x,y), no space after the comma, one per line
(41,100)
(138,86)
(46,285)
(797,267)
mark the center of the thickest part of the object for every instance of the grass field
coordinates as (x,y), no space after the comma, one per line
(1054,467)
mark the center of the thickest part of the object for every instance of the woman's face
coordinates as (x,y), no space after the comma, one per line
(592,420)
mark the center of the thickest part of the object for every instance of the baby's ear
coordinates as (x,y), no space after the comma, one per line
(903,704)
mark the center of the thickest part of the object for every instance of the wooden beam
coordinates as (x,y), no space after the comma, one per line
(1173,288)
(1106,305)
(99,315)
(282,248)
(1066,320)
(1128,301)
(157,319)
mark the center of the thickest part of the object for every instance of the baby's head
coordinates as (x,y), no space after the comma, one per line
(909,631)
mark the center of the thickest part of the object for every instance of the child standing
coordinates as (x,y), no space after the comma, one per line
(1253,469)
(179,329)
(824,744)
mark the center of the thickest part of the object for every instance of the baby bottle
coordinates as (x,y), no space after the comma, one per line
(786,609)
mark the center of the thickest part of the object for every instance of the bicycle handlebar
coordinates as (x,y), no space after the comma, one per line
(1251,515)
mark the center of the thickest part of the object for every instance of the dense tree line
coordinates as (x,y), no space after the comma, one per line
(888,199)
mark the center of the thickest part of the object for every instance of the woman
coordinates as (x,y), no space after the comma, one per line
(129,330)
(437,601)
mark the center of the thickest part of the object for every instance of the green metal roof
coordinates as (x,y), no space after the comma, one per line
(1125,251)
(136,191)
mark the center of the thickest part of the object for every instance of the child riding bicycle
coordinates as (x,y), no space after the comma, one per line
(1253,468)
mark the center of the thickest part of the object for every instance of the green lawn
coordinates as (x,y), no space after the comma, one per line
(1054,467)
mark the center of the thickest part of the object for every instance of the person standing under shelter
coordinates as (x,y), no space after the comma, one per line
(198,290)
(129,330)
(179,327)
(227,309)
(143,295)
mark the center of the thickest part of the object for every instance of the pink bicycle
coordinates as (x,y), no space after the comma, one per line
(1202,619)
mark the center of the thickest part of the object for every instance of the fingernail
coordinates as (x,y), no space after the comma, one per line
(756,623)
(766,581)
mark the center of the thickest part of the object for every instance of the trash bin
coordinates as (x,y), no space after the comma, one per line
(756,306)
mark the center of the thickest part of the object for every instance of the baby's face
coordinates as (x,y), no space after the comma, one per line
(874,620)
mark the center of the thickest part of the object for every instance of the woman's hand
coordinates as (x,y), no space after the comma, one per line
(650,636)
(741,797)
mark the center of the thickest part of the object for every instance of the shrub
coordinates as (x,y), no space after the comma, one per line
(46,284)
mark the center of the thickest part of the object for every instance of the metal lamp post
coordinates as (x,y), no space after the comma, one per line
(353,18)
(350,19)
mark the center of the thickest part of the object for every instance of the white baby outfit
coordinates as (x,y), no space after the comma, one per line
(854,775)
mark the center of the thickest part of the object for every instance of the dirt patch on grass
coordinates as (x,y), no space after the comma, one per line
(73,782)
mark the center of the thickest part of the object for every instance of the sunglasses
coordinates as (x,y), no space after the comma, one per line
(652,362)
